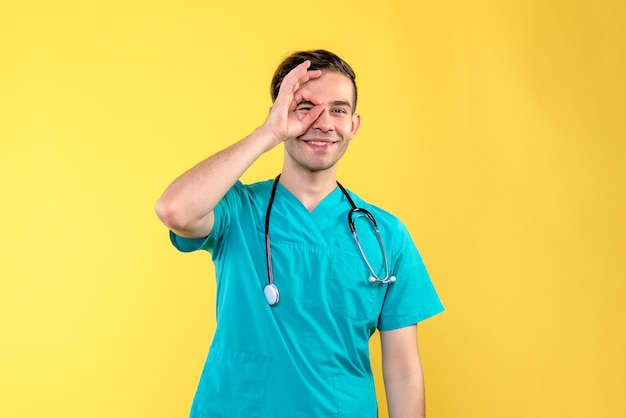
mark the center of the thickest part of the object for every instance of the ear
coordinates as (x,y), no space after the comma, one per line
(356,122)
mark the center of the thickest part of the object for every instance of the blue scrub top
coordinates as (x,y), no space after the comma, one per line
(307,356)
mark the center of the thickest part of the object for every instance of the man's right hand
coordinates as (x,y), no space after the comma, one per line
(186,206)
(283,122)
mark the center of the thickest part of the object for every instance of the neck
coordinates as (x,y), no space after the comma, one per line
(309,187)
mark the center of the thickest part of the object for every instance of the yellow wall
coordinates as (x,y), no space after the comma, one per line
(495,129)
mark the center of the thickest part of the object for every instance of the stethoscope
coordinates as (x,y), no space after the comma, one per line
(270,289)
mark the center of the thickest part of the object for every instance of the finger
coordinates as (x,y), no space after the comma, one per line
(293,77)
(298,76)
(311,74)
(289,94)
(312,115)
(304,95)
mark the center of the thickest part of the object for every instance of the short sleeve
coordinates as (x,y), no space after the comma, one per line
(187,245)
(223,212)
(412,297)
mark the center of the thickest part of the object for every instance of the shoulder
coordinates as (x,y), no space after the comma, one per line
(393,231)
(252,191)
(258,187)
(384,218)
(242,198)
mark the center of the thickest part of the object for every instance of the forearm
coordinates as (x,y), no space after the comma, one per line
(187,204)
(405,395)
(402,373)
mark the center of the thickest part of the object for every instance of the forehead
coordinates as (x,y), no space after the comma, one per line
(332,86)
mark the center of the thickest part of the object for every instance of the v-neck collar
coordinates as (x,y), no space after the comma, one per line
(330,200)
(320,228)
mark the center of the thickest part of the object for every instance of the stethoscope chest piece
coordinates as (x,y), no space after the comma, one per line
(271,294)
(271,291)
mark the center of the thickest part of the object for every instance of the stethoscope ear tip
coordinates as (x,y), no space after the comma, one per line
(372,279)
(392,279)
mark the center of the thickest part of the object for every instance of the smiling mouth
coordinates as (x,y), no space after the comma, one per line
(319,143)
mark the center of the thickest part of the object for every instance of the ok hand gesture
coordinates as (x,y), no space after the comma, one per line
(283,122)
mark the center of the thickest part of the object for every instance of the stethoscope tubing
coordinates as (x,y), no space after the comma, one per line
(271,291)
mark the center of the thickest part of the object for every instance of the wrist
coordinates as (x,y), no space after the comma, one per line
(267,136)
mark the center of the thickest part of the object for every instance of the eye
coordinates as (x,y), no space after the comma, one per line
(340,110)
(304,106)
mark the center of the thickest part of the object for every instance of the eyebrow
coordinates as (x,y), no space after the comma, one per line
(341,103)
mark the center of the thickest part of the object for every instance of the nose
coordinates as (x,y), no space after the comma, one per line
(323,122)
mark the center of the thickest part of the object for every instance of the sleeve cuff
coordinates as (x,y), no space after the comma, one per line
(395,322)
(186,245)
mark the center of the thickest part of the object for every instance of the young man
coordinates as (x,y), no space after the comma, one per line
(299,294)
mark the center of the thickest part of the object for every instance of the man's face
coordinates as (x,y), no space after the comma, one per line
(326,140)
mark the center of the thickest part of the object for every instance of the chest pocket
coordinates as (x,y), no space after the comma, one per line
(350,293)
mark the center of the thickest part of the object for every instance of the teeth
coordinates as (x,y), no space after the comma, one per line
(318,142)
